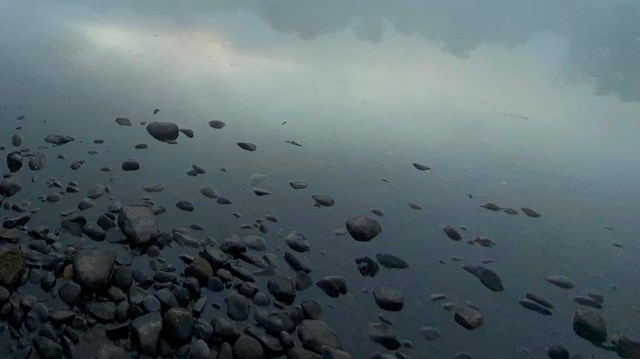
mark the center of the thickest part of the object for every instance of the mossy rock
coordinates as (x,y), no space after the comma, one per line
(11,267)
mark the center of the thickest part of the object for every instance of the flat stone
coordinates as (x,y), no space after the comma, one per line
(560,281)
(147,329)
(123,121)
(391,261)
(217,124)
(58,139)
(282,288)
(333,286)
(247,146)
(247,347)
(9,187)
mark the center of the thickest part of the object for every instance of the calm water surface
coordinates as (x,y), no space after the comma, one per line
(525,104)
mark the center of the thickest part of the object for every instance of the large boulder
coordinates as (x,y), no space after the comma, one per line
(92,268)
(139,224)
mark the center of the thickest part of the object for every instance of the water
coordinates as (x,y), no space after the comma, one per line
(525,104)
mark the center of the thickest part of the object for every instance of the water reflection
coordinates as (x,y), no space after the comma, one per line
(603,36)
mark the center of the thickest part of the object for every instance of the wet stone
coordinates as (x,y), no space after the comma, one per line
(367,266)
(282,288)
(247,347)
(298,185)
(47,348)
(130,165)
(123,121)
(12,268)
(363,228)
(452,233)
(333,286)
(560,281)
(186,206)
(468,318)
(530,212)
(69,292)
(105,312)
(14,161)
(92,268)
(178,324)
(147,329)
(323,200)
(217,124)
(200,269)
(383,334)
(388,298)
(163,131)
(557,351)
(37,160)
(297,261)
(534,306)
(491,206)
(538,299)
(261,192)
(315,333)
(247,146)
(238,307)
(488,277)
(187,132)
(9,187)
(58,139)
(255,243)
(139,224)
(590,325)
(391,261)
(209,192)
(430,333)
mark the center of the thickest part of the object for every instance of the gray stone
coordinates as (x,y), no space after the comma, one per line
(9,187)
(468,318)
(333,286)
(247,347)
(363,229)
(147,329)
(12,268)
(92,268)
(139,224)
(382,334)
(590,325)
(282,288)
(488,277)
(388,298)
(163,131)
(69,292)
(316,333)
(178,324)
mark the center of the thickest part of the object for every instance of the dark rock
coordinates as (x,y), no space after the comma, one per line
(92,268)
(14,161)
(147,330)
(421,167)
(382,334)
(139,224)
(255,243)
(238,307)
(209,192)
(560,281)
(452,233)
(558,351)
(590,325)
(225,329)
(297,261)
(468,318)
(178,324)
(323,200)
(367,266)
(491,206)
(58,139)
(333,286)
(298,185)
(311,309)
(363,228)
(186,206)
(163,131)
(105,312)
(297,241)
(200,269)
(391,261)
(247,347)
(47,348)
(538,299)
(534,306)
(217,124)
(130,165)
(626,347)
(69,292)
(187,132)
(388,298)
(530,212)
(487,276)
(12,268)
(9,187)
(36,162)
(247,146)
(123,121)
(430,333)
(261,192)
(282,288)
(315,333)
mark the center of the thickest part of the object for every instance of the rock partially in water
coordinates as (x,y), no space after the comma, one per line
(37,160)
(430,333)
(538,299)
(452,233)
(414,205)
(534,306)
(187,132)
(560,281)
(363,229)
(314,334)
(209,192)
(510,211)
(297,241)
(323,200)
(421,167)
(587,301)
(590,325)
(367,266)
(184,205)
(557,351)
(130,165)
(487,276)
(16,140)
(92,268)
(261,192)
(146,330)
(163,131)
(626,347)
(9,187)
(47,348)
(217,124)
(530,212)
(153,187)
(333,286)
(177,325)
(298,185)
(238,307)
(383,334)
(390,299)
(14,161)
(468,318)
(139,224)
(12,268)
(58,139)
(282,289)
(247,146)
(491,206)
(123,121)
(247,347)
(391,261)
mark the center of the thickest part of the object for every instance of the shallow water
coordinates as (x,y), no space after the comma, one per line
(525,105)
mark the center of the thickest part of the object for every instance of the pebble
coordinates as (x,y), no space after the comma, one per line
(590,325)
(488,277)
(468,318)
(247,146)
(185,205)
(452,233)
(217,124)
(163,131)
(421,167)
(391,261)
(333,286)
(530,212)
(491,206)
(323,200)
(389,299)
(130,165)
(383,334)
(534,306)
(363,229)
(298,185)
(430,333)
(153,187)
(560,281)
(123,121)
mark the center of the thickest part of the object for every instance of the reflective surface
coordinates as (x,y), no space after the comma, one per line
(523,104)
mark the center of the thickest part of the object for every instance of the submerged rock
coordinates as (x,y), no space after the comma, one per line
(388,298)
(123,121)
(367,266)
(333,286)
(391,261)
(12,268)
(421,167)
(430,333)
(590,325)
(452,233)
(534,306)
(487,276)
(163,131)
(217,124)
(468,318)
(37,160)
(147,329)
(9,187)
(139,224)
(491,206)
(560,281)
(314,334)
(298,185)
(14,161)
(323,200)
(247,146)
(363,229)
(383,334)
(58,139)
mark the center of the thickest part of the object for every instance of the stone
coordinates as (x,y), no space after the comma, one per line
(14,161)
(47,348)
(217,124)
(130,165)
(186,206)
(315,333)
(388,298)
(382,334)
(421,167)
(209,192)
(297,241)
(297,261)
(92,268)
(530,212)
(58,139)
(199,350)
(590,325)
(534,306)
(626,347)
(323,200)
(69,292)
(391,261)
(147,329)
(139,224)
(163,131)
(452,233)
(238,307)
(200,269)
(430,333)
(558,351)
(177,324)
(488,277)
(255,243)
(333,286)
(247,347)
(247,146)
(37,160)
(12,268)
(363,229)
(105,312)
(560,281)
(123,121)
(282,288)
(468,318)
(298,185)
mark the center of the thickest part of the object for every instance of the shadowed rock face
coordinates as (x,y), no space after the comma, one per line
(12,266)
